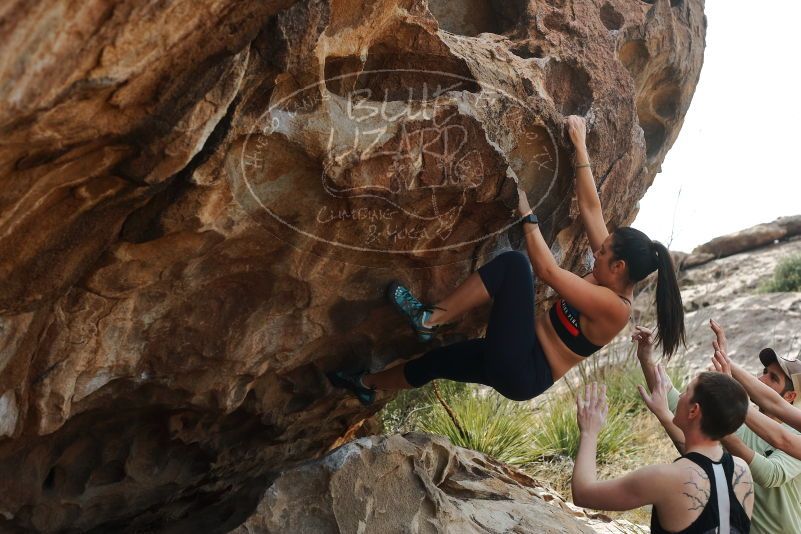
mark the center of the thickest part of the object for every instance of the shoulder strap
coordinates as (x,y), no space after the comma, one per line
(700,460)
(722,491)
(738,518)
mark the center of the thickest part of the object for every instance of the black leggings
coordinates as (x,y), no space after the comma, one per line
(509,358)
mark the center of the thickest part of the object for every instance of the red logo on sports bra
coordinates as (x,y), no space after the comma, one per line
(566,321)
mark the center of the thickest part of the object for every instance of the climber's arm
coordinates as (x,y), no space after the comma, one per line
(596,302)
(586,194)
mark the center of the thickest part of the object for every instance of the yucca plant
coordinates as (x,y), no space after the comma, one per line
(478,418)
(512,432)
(402,414)
(556,433)
(484,421)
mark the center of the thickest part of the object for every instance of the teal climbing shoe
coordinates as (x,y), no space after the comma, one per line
(353,383)
(415,311)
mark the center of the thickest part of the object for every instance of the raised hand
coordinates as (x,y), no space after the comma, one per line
(591,408)
(720,359)
(720,337)
(721,362)
(645,341)
(656,400)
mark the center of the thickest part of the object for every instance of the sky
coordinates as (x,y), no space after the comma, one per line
(737,159)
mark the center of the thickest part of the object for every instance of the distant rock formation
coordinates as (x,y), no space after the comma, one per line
(202,202)
(727,289)
(414,483)
(782,229)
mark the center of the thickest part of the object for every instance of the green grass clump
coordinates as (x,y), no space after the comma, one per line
(485,421)
(557,434)
(622,374)
(478,418)
(786,276)
(405,412)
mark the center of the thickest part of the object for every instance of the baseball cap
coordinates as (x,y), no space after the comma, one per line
(790,366)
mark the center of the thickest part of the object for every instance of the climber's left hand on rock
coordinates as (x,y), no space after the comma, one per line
(577,128)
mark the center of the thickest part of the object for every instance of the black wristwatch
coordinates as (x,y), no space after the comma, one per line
(530,218)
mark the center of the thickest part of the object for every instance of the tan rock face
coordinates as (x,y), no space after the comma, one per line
(413,483)
(752,322)
(727,290)
(202,202)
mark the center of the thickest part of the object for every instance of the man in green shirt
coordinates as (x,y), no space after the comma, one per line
(777,475)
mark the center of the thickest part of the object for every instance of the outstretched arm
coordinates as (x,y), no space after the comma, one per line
(774,433)
(765,427)
(645,348)
(769,471)
(589,204)
(771,402)
(644,337)
(736,447)
(657,402)
(632,491)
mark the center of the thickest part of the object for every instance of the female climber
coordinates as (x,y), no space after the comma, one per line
(522,355)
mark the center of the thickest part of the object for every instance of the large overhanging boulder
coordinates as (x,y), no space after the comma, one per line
(202,202)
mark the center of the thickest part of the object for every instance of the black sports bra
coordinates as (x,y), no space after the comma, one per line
(565,320)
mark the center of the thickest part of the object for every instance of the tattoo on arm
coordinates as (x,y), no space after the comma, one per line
(749,494)
(697,495)
(739,472)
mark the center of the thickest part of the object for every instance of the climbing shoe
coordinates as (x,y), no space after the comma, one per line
(353,383)
(415,311)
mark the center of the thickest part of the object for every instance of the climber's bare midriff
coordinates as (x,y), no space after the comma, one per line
(560,358)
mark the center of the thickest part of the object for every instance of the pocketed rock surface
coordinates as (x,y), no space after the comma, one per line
(202,201)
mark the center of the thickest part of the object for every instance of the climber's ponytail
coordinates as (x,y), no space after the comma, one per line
(669,309)
(642,257)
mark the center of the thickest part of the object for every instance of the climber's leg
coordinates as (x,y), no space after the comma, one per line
(462,362)
(481,286)
(515,362)
(510,359)
(389,379)
(470,294)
